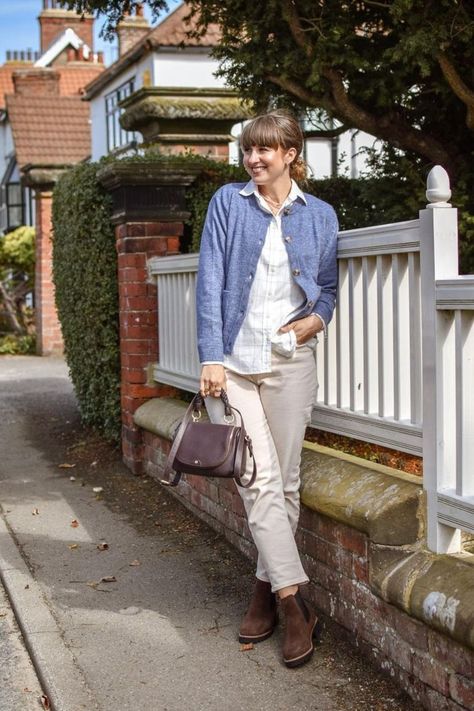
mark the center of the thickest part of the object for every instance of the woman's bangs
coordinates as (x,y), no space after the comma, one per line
(262,131)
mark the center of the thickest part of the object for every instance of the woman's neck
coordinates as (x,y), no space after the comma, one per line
(276,192)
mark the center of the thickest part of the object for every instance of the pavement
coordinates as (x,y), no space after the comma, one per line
(124,599)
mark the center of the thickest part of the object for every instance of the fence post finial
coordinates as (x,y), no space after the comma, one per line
(439,191)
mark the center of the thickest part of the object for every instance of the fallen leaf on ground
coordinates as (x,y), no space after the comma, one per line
(103,546)
(93,464)
(246,647)
(72,478)
(92,583)
(27,587)
(73,546)
(108,579)
(98,489)
(35,512)
(45,702)
(3,614)
(65,465)
(74,523)
(134,563)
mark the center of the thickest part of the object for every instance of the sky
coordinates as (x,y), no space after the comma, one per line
(19,28)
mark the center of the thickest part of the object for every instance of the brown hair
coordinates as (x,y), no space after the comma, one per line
(277,129)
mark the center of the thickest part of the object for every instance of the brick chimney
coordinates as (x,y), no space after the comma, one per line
(132,28)
(37,81)
(54,20)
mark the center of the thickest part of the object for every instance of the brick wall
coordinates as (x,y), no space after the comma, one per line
(136,243)
(436,671)
(48,330)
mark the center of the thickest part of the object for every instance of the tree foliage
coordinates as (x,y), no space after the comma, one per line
(401,70)
(17,270)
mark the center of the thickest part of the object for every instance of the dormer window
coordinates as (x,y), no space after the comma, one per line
(116,136)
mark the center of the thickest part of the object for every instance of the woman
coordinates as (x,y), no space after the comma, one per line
(266,287)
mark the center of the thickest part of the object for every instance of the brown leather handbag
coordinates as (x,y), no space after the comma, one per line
(209,449)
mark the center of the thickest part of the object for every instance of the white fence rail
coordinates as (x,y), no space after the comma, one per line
(397,368)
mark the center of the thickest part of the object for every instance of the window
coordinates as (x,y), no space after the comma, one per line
(116,136)
(15,205)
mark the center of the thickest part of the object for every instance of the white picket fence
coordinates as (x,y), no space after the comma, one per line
(397,367)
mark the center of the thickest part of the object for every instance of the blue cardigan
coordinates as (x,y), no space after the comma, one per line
(231,243)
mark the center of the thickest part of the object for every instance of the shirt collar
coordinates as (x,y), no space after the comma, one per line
(295,192)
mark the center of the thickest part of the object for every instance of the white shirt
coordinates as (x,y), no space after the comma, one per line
(275,298)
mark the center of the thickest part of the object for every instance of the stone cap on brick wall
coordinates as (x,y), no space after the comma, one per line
(436,589)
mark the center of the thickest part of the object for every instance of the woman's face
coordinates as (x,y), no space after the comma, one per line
(266,165)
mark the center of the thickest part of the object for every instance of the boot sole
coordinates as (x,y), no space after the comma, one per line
(247,639)
(303,658)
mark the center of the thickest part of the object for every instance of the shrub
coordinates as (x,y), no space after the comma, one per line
(12,344)
(84,274)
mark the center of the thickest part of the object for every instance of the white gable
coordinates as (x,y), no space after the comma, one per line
(68,38)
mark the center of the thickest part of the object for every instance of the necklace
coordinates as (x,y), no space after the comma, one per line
(274,203)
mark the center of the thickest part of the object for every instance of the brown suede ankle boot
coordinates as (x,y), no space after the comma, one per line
(301,625)
(261,616)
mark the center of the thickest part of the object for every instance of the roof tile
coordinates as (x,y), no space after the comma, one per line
(51,130)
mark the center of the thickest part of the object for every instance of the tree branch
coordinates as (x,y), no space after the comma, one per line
(458,86)
(389,127)
(305,95)
(293,20)
(326,133)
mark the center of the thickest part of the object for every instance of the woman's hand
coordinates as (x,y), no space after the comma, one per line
(304,328)
(213,380)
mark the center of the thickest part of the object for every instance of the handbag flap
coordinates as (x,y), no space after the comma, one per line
(205,444)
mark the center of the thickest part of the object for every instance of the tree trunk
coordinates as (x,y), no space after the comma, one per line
(11,310)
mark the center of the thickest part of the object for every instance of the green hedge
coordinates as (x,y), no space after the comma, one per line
(84,261)
(84,273)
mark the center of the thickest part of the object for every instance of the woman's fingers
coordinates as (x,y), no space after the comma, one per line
(213,380)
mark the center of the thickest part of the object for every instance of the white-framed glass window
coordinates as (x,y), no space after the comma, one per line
(116,136)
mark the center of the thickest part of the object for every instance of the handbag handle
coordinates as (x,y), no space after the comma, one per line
(194,411)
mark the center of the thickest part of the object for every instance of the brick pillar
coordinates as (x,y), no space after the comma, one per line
(136,243)
(48,329)
(149,210)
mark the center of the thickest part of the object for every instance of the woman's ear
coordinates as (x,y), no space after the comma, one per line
(290,155)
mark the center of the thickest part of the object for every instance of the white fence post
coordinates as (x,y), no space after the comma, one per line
(439,260)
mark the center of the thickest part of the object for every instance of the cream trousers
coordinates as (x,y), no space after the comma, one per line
(276,407)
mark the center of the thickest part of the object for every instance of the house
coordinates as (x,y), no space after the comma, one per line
(44,129)
(164,87)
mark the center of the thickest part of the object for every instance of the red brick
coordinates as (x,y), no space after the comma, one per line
(137,332)
(133,274)
(134,360)
(431,672)
(133,375)
(131,260)
(151,246)
(352,540)
(173,244)
(411,630)
(360,569)
(325,528)
(435,701)
(136,346)
(174,229)
(127,289)
(462,690)
(139,303)
(455,656)
(135,229)
(397,650)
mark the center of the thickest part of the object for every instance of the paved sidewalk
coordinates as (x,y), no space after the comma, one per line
(149,621)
